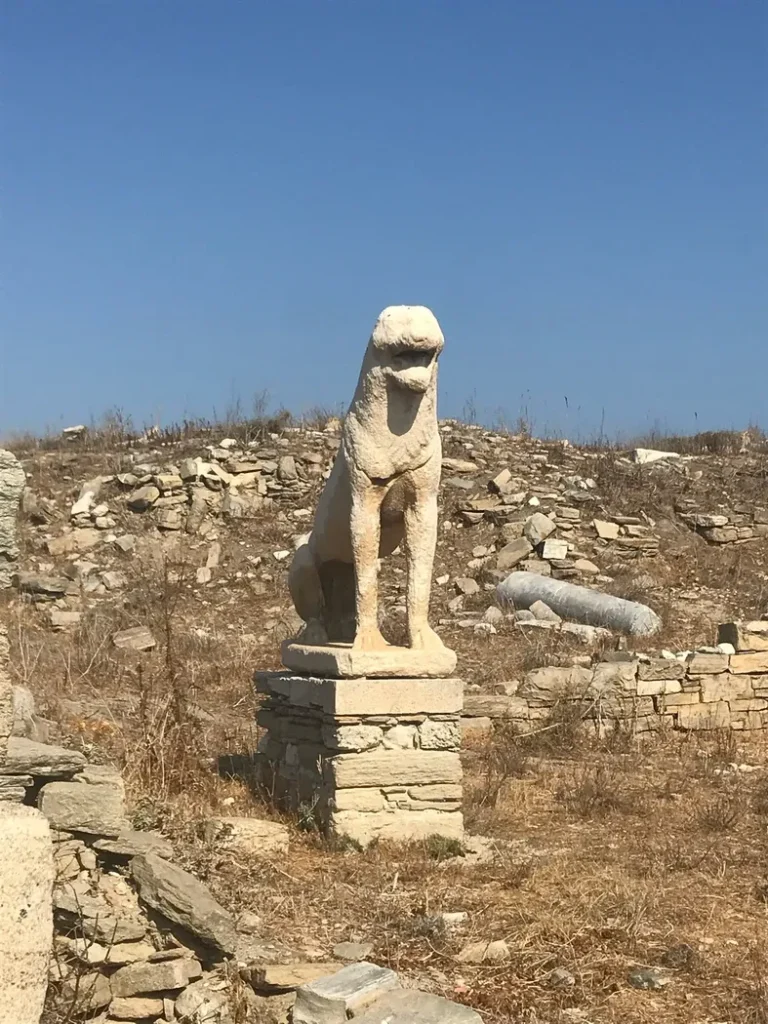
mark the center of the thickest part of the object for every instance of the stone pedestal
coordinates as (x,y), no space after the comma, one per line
(366,758)
(26,913)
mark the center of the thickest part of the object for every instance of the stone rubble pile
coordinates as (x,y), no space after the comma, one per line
(536,506)
(721,687)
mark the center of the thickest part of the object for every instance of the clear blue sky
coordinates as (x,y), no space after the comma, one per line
(202,199)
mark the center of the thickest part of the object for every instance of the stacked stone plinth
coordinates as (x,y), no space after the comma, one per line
(365,758)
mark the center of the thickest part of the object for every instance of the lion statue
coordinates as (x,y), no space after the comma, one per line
(382,492)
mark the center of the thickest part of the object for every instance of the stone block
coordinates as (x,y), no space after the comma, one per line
(661,668)
(394,767)
(741,663)
(352,697)
(398,826)
(274,978)
(657,687)
(26,757)
(677,700)
(352,737)
(439,735)
(748,704)
(332,1000)
(482,705)
(77,807)
(400,737)
(513,553)
(724,687)
(343,661)
(614,675)
(548,685)
(369,799)
(704,716)
(132,1008)
(412,1007)
(26,914)
(707,664)
(146,978)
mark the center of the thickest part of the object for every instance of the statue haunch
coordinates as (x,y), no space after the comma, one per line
(382,492)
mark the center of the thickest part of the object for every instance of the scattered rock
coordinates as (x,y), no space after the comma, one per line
(331,1000)
(249,837)
(537,528)
(352,952)
(137,638)
(185,901)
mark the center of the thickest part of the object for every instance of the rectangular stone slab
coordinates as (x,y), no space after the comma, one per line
(395,768)
(341,661)
(410,1007)
(353,697)
(331,1000)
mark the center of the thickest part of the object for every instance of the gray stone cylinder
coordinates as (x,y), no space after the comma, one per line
(26,913)
(578,604)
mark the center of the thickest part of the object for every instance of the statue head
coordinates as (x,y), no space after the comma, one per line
(405,344)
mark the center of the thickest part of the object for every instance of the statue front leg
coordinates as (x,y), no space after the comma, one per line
(365,534)
(420,541)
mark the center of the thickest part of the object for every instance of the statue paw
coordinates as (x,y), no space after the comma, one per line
(369,640)
(426,639)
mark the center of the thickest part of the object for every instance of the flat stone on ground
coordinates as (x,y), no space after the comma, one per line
(130,844)
(334,999)
(145,978)
(289,977)
(252,837)
(341,661)
(411,1007)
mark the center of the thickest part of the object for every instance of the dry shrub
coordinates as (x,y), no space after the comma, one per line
(595,791)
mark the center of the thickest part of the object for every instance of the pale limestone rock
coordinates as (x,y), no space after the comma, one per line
(395,767)
(352,697)
(382,492)
(606,530)
(749,662)
(26,921)
(400,737)
(166,975)
(369,800)
(412,1007)
(12,481)
(341,660)
(289,977)
(400,826)
(135,1008)
(537,528)
(352,737)
(332,1000)
(439,735)
(75,807)
(252,837)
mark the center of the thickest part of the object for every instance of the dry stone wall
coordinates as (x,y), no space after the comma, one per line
(723,687)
